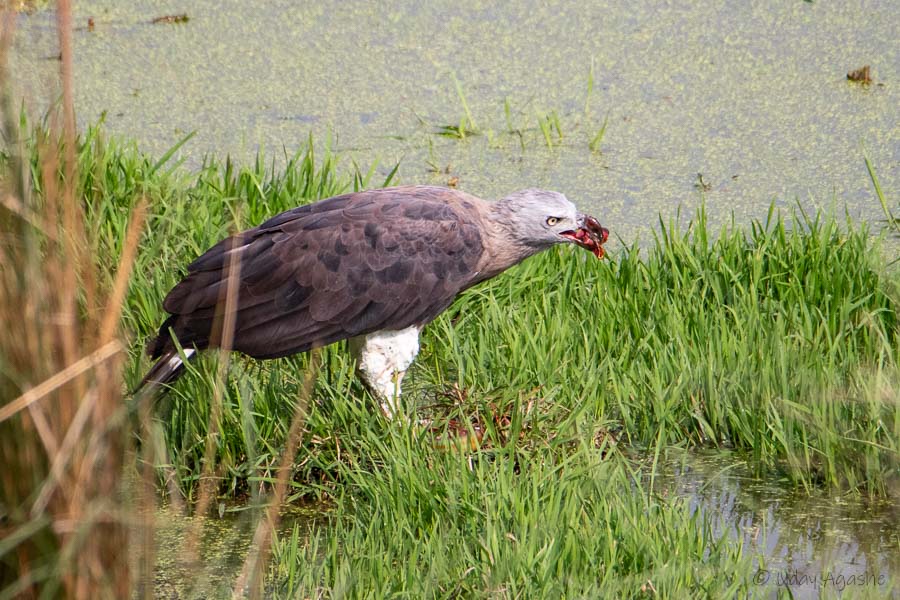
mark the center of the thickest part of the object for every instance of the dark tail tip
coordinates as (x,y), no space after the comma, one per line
(166,370)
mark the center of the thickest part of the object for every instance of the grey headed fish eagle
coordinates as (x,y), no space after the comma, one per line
(374,267)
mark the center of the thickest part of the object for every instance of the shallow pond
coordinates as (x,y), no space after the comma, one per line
(753,96)
(222,547)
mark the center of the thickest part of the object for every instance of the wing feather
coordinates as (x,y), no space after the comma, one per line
(345,266)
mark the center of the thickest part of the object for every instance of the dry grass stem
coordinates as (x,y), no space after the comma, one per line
(252,573)
(222,337)
(113,311)
(60,379)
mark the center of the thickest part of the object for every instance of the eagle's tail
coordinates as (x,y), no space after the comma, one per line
(169,364)
(167,369)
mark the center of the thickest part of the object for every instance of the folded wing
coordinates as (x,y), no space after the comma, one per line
(349,265)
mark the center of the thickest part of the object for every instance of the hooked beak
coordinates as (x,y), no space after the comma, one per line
(590,235)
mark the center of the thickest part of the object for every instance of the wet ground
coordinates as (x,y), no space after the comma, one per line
(222,548)
(813,545)
(753,96)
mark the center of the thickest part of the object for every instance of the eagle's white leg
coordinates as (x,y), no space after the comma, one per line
(382,359)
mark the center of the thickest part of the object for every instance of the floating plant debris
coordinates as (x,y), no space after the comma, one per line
(182,18)
(861,75)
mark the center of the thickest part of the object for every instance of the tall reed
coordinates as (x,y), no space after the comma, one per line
(62,442)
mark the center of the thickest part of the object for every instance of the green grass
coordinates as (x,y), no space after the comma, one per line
(879,193)
(558,520)
(590,88)
(779,339)
(546,127)
(548,123)
(595,142)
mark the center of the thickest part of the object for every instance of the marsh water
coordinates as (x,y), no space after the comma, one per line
(811,543)
(739,104)
(753,96)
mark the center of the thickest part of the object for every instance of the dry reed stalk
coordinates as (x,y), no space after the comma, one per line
(98,564)
(113,311)
(59,379)
(62,440)
(252,574)
(222,336)
(146,506)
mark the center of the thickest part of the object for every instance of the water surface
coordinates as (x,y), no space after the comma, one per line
(809,544)
(752,95)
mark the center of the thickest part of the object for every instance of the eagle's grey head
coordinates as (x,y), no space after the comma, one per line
(539,219)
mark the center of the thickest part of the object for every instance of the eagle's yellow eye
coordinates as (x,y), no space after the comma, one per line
(551,221)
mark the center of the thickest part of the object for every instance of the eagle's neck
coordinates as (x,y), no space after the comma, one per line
(503,243)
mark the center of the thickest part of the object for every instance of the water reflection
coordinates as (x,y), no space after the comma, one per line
(808,542)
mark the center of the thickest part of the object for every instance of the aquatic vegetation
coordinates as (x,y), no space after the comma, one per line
(879,193)
(595,142)
(550,520)
(548,123)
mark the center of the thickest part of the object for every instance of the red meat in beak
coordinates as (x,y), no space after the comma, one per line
(590,235)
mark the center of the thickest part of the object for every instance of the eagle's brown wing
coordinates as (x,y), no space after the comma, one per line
(349,265)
